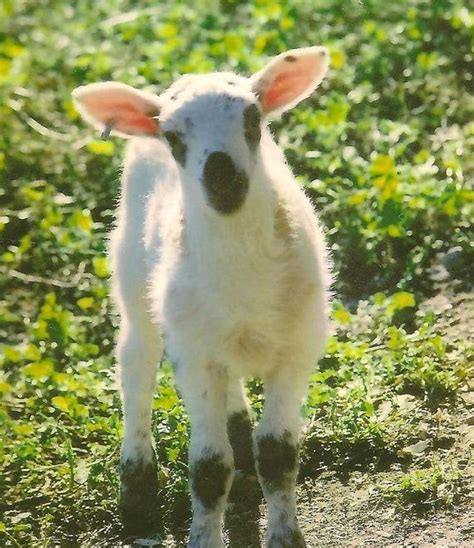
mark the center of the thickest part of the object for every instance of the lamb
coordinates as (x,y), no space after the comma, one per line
(217,257)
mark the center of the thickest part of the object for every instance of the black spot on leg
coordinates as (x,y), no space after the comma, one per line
(245,493)
(277,461)
(291,539)
(209,477)
(138,495)
(239,429)
(291,58)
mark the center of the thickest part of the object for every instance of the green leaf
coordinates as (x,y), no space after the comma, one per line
(402,299)
(61,403)
(100,267)
(102,148)
(39,369)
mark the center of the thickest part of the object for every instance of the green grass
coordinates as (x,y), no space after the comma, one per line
(437,485)
(382,149)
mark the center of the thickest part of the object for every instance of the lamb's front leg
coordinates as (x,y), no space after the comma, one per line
(138,354)
(211,464)
(276,446)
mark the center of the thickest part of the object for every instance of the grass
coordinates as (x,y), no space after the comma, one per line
(423,488)
(381,150)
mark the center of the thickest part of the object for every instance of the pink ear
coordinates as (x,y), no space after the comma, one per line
(126,110)
(290,77)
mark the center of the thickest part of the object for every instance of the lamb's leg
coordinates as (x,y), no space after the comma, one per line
(276,446)
(211,463)
(138,353)
(239,428)
(243,514)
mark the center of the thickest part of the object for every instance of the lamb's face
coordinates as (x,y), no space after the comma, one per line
(212,124)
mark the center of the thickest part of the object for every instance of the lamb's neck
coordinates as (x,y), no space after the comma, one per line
(209,233)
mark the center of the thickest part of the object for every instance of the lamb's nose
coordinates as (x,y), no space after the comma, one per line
(218,168)
(225,186)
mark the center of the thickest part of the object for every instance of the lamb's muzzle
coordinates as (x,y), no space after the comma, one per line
(226,187)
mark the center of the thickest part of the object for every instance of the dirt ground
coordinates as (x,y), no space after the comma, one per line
(350,512)
(334,514)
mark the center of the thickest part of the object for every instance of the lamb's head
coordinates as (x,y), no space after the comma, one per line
(213,123)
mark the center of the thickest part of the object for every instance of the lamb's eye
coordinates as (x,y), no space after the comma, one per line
(177,145)
(252,128)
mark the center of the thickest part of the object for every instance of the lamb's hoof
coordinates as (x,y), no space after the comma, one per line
(287,538)
(205,537)
(138,497)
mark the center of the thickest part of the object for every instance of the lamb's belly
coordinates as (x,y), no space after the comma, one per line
(250,348)
(249,333)
(240,333)
(246,327)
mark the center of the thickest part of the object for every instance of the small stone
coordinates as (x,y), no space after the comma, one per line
(416,449)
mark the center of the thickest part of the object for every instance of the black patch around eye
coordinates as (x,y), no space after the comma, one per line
(177,145)
(252,130)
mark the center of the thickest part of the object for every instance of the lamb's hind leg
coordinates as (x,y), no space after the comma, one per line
(139,351)
(211,464)
(243,514)
(276,446)
(239,429)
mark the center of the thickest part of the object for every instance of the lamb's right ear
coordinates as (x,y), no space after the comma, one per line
(289,78)
(111,106)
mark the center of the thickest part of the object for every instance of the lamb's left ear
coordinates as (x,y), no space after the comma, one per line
(289,78)
(112,106)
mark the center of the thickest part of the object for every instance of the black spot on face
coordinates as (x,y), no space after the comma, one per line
(209,478)
(277,461)
(227,100)
(177,145)
(290,58)
(226,188)
(239,429)
(252,129)
(176,94)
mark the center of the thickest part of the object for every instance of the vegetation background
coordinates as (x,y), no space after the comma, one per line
(383,151)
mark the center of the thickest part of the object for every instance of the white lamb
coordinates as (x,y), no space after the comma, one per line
(217,257)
